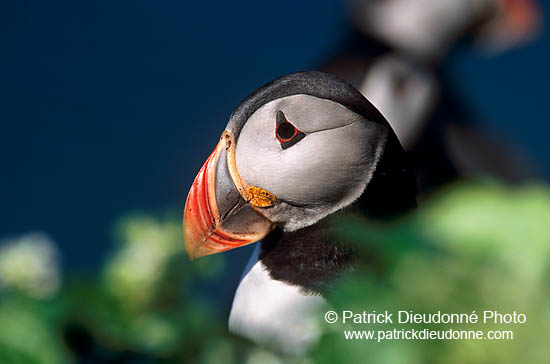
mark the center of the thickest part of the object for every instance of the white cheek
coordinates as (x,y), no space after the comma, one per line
(324,172)
(257,149)
(323,168)
(310,114)
(420,26)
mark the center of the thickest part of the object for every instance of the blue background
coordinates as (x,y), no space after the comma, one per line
(111,107)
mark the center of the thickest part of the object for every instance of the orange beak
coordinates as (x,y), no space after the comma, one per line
(218,214)
(521,16)
(516,22)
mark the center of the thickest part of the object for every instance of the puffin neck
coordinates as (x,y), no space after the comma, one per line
(310,258)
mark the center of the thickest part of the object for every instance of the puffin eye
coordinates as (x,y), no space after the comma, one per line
(286,133)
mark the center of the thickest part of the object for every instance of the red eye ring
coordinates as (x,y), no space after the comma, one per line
(286,133)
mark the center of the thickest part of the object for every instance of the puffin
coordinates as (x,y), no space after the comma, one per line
(398,54)
(296,156)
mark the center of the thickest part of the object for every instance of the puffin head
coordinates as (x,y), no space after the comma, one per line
(427,29)
(294,152)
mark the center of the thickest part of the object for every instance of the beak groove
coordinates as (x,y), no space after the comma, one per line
(205,232)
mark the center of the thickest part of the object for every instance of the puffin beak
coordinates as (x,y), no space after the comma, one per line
(518,21)
(521,17)
(221,211)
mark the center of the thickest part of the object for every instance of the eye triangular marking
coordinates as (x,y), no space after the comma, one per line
(286,133)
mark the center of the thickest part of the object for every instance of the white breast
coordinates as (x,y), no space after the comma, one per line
(270,312)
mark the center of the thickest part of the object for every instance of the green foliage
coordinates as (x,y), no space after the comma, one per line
(472,247)
(475,246)
(26,333)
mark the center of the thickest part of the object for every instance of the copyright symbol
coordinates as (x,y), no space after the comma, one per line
(331,317)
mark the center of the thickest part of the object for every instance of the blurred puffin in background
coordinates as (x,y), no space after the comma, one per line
(296,154)
(396,56)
